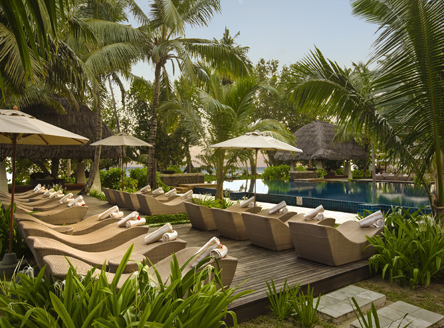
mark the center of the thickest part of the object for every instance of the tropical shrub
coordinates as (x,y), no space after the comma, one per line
(280,303)
(280,172)
(306,313)
(175,168)
(139,174)
(91,301)
(359,174)
(411,249)
(97,194)
(321,173)
(157,220)
(300,168)
(112,179)
(19,246)
(210,201)
(340,171)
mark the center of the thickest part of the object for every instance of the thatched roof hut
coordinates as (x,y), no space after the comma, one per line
(81,121)
(316,140)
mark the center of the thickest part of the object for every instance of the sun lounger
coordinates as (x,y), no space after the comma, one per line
(58,267)
(118,196)
(109,196)
(42,246)
(332,246)
(66,215)
(131,201)
(102,239)
(152,206)
(83,227)
(273,232)
(229,222)
(200,216)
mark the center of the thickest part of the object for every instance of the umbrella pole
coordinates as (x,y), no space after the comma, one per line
(255,177)
(14,152)
(122,168)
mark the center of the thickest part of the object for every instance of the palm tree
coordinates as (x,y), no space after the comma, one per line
(166,28)
(223,112)
(410,51)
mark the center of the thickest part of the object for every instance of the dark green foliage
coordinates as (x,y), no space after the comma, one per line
(165,218)
(280,172)
(210,201)
(175,168)
(280,303)
(98,195)
(359,174)
(321,173)
(19,246)
(139,174)
(411,250)
(306,313)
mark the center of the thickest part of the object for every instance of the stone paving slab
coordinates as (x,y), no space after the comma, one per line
(337,306)
(402,314)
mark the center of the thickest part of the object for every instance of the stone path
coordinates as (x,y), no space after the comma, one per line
(336,307)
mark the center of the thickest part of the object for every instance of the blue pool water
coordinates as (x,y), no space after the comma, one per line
(397,194)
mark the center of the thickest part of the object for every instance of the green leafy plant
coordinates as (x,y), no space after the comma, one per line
(280,301)
(306,313)
(210,201)
(366,320)
(139,302)
(321,172)
(155,220)
(97,194)
(411,249)
(280,172)
(19,246)
(175,168)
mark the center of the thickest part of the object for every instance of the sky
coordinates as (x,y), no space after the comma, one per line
(286,30)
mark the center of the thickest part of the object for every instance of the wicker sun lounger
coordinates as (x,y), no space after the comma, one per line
(42,246)
(102,239)
(332,246)
(273,233)
(58,267)
(109,196)
(200,216)
(152,206)
(65,215)
(83,227)
(229,222)
(118,196)
(131,201)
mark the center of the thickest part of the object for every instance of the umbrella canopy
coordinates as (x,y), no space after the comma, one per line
(255,141)
(31,131)
(122,139)
(20,128)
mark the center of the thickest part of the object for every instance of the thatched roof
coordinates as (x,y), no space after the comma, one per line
(316,140)
(81,121)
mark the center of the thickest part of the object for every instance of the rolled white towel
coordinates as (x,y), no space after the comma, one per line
(378,223)
(277,207)
(41,190)
(247,202)
(205,250)
(171,193)
(116,215)
(59,196)
(158,191)
(310,215)
(219,252)
(134,223)
(146,189)
(187,195)
(283,210)
(370,219)
(79,203)
(37,187)
(54,194)
(169,236)
(47,192)
(66,199)
(78,199)
(108,212)
(156,235)
(132,215)
(319,216)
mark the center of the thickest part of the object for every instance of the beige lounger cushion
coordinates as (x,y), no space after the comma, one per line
(66,215)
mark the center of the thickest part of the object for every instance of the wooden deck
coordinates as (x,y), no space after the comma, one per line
(257,265)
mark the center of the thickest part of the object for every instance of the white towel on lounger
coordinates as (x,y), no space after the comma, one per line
(205,250)
(158,191)
(132,215)
(219,252)
(310,215)
(279,206)
(47,192)
(156,235)
(116,215)
(78,199)
(145,189)
(66,199)
(37,187)
(370,219)
(248,202)
(108,212)
(134,223)
(187,195)
(169,236)
(378,223)
(171,193)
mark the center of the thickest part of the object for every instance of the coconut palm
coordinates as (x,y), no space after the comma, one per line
(166,28)
(410,50)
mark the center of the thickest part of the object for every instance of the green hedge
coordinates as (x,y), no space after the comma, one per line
(280,172)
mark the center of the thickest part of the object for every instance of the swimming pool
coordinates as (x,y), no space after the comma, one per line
(397,194)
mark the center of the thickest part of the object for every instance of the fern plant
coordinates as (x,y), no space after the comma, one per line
(306,313)
(280,301)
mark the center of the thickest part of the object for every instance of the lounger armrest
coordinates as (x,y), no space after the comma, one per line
(328,222)
(66,230)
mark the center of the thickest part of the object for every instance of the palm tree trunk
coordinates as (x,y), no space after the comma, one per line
(95,164)
(253,165)
(220,174)
(153,126)
(114,103)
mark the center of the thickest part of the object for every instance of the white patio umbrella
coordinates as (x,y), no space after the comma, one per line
(255,141)
(20,128)
(122,139)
